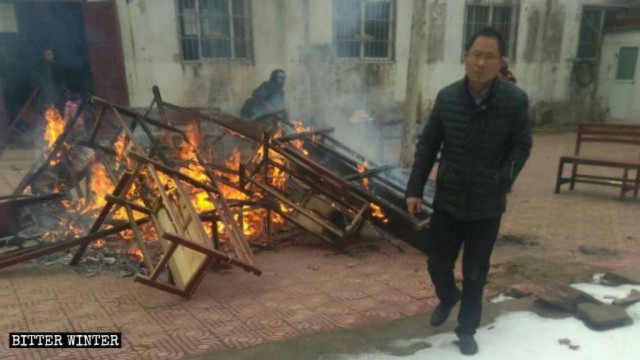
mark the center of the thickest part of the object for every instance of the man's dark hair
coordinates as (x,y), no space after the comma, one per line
(488,32)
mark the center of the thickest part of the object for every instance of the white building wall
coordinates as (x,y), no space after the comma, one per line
(297,36)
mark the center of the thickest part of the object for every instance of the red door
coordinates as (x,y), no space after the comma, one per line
(105,51)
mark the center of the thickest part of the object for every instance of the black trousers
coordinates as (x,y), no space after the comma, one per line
(447,235)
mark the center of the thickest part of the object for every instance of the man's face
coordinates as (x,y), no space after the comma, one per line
(280,78)
(48,56)
(482,62)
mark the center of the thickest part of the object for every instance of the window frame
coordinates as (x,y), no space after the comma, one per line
(391,41)
(512,43)
(11,10)
(249,41)
(635,65)
(603,12)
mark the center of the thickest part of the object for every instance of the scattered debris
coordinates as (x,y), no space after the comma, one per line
(597,251)
(598,278)
(501,298)
(633,297)
(620,277)
(565,297)
(565,341)
(520,240)
(523,290)
(602,317)
(404,347)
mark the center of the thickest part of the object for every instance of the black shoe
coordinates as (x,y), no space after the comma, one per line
(441,314)
(468,345)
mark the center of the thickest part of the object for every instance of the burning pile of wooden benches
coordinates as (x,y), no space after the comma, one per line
(175,184)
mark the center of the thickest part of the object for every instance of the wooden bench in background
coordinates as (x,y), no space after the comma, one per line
(628,134)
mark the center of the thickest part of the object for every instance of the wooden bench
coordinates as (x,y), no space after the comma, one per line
(628,134)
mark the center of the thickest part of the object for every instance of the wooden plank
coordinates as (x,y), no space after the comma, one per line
(601,161)
(164,287)
(565,297)
(64,245)
(163,262)
(216,253)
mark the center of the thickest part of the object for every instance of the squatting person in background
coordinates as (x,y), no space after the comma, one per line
(267,98)
(480,124)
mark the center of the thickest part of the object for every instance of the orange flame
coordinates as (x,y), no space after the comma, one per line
(298,143)
(362,168)
(53,130)
(136,253)
(377,212)
(120,147)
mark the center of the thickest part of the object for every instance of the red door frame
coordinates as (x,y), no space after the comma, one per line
(104,42)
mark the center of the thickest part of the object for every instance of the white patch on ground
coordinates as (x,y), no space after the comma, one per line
(597,278)
(527,336)
(500,298)
(606,294)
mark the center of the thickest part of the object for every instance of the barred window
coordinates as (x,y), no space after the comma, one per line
(364,28)
(591,25)
(215,29)
(499,17)
(627,60)
(8,20)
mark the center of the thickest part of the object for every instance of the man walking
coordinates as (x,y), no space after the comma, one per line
(480,124)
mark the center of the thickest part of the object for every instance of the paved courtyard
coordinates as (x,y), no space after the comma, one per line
(308,288)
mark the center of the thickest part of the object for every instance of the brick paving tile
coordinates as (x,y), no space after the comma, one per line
(126,350)
(392,296)
(175,318)
(124,304)
(14,324)
(344,293)
(314,324)
(360,282)
(44,316)
(264,320)
(6,289)
(196,342)
(79,309)
(359,305)
(313,300)
(278,333)
(53,326)
(229,327)
(135,322)
(85,322)
(244,339)
(11,309)
(71,354)
(418,306)
(158,345)
(300,290)
(213,314)
(109,354)
(297,315)
(382,313)
(347,320)
(286,304)
(20,354)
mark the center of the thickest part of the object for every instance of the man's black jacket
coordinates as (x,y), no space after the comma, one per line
(483,148)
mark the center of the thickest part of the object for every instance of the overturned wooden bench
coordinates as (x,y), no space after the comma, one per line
(628,134)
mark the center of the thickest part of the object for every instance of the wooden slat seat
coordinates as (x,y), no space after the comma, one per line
(623,134)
